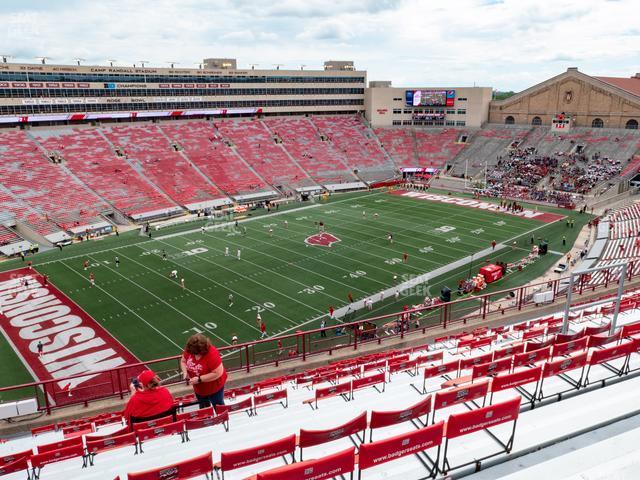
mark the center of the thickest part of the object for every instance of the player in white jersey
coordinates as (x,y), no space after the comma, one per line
(238,254)
(226,251)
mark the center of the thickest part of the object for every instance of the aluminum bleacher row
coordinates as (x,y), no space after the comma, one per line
(8,236)
(617,241)
(420,411)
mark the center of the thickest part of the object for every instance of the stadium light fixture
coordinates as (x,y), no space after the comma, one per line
(142,62)
(302,67)
(111,61)
(172,63)
(254,65)
(43,60)
(5,56)
(200,65)
(278,65)
(78,60)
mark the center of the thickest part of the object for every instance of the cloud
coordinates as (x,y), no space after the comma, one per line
(507,44)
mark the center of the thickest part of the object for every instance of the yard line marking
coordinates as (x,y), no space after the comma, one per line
(439,238)
(305,257)
(204,257)
(439,209)
(499,246)
(240,295)
(125,306)
(192,291)
(163,301)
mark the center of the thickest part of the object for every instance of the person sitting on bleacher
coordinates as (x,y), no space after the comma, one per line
(148,399)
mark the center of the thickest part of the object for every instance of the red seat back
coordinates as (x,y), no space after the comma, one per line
(564,365)
(341,463)
(384,419)
(515,379)
(20,463)
(195,423)
(368,381)
(152,423)
(460,424)
(258,454)
(200,413)
(163,430)
(611,353)
(193,467)
(527,358)
(52,456)
(111,442)
(246,404)
(439,370)
(382,451)
(69,442)
(465,393)
(309,438)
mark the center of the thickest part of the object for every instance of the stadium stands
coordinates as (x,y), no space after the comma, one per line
(318,157)
(8,236)
(486,146)
(256,145)
(400,143)
(152,170)
(358,144)
(151,153)
(54,199)
(93,160)
(215,158)
(617,242)
(438,147)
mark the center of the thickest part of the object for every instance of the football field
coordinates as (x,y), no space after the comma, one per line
(288,272)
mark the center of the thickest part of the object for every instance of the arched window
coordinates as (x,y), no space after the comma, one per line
(509,120)
(597,123)
(536,121)
(631,125)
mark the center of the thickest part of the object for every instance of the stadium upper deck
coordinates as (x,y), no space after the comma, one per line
(54,93)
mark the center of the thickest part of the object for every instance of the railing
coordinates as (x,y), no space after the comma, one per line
(302,345)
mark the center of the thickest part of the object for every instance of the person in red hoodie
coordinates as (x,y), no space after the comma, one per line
(148,398)
(202,368)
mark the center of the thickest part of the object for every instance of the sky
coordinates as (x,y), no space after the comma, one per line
(505,44)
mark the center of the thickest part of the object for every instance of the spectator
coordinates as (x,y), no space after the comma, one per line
(202,368)
(148,399)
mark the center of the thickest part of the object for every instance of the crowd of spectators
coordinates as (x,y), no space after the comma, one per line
(580,175)
(522,173)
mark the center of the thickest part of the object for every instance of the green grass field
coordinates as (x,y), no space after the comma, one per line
(290,283)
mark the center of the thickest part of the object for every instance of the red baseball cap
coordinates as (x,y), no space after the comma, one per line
(145,377)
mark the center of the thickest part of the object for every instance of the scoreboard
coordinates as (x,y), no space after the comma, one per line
(430,98)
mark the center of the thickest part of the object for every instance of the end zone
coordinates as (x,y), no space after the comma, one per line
(544,217)
(73,342)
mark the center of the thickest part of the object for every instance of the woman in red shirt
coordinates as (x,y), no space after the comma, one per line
(202,368)
(148,398)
